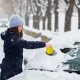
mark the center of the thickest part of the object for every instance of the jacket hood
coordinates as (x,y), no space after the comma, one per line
(5,35)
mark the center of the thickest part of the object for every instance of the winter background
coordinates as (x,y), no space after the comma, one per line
(59,21)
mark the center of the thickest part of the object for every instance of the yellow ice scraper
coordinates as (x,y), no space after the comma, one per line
(50,50)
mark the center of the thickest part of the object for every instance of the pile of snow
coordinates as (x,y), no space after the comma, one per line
(45,75)
(48,62)
(66,40)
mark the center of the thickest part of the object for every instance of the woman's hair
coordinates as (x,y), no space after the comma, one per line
(15,29)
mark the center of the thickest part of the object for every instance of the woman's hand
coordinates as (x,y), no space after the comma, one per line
(48,45)
(49,49)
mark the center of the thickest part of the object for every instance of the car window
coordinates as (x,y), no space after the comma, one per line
(75,51)
(74,64)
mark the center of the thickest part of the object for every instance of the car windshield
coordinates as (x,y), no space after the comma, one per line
(74,64)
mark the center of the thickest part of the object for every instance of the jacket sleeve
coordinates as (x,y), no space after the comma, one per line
(27,44)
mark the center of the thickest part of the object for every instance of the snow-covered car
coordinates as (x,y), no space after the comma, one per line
(43,66)
(4,23)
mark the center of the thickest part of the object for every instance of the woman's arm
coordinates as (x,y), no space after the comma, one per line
(32,44)
(27,44)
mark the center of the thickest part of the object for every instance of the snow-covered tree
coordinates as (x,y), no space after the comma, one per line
(7,6)
(43,10)
(27,15)
(13,7)
(34,7)
(77,3)
(44,4)
(37,15)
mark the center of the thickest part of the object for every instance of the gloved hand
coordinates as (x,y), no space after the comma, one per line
(49,49)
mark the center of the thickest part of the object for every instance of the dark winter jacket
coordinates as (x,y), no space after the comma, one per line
(13,49)
(13,45)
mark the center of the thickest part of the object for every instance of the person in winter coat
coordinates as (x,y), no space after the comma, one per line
(13,47)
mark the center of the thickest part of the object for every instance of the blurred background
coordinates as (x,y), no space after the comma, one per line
(54,15)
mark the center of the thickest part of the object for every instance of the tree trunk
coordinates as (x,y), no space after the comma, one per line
(49,22)
(26,20)
(27,13)
(44,22)
(48,13)
(56,15)
(20,8)
(36,20)
(78,18)
(68,16)
(78,7)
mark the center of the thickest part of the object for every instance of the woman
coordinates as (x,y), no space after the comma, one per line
(13,47)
